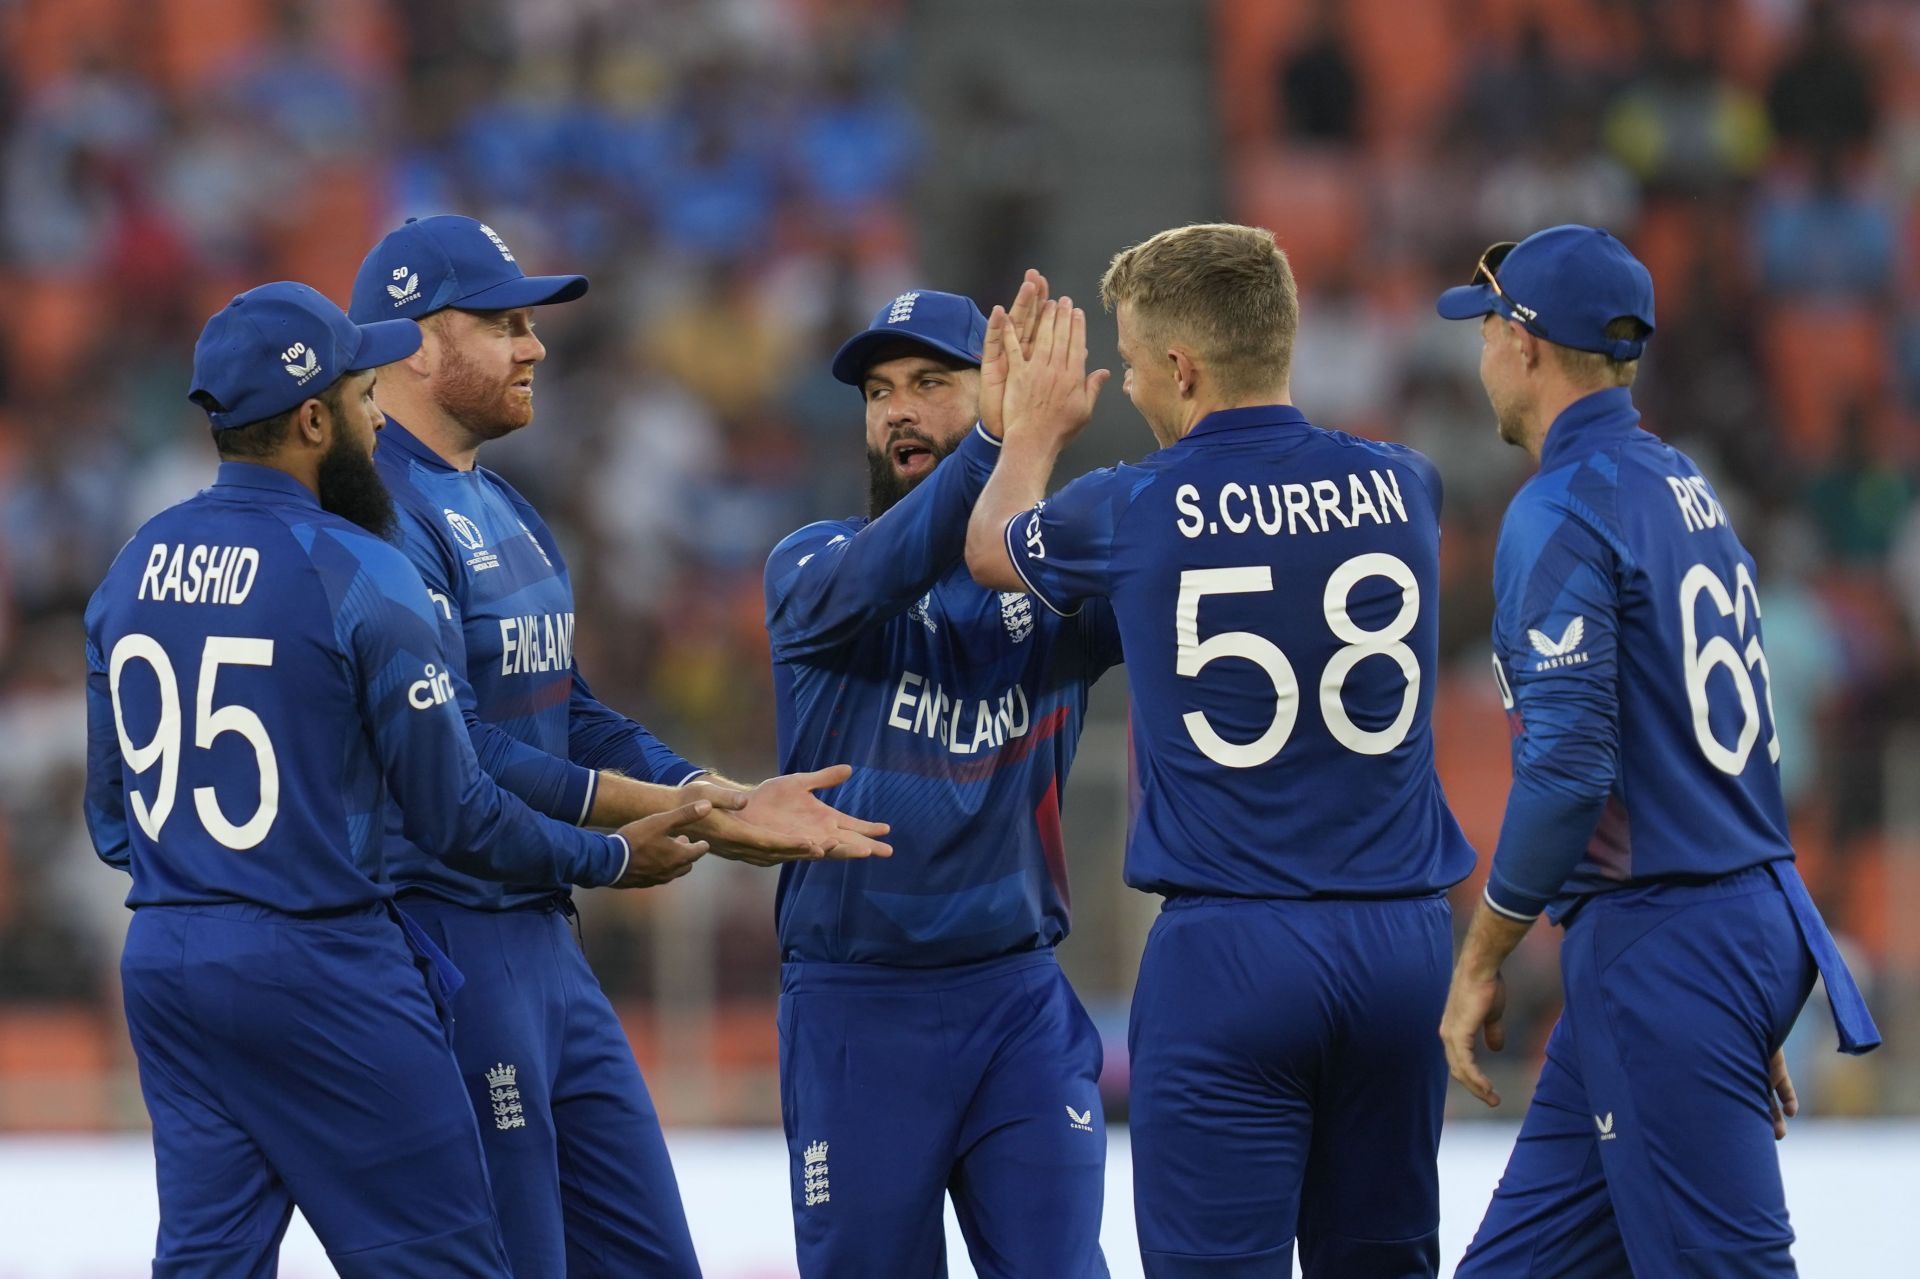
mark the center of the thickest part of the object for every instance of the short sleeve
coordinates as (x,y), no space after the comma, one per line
(1063,547)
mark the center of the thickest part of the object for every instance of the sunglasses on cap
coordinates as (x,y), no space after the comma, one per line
(1489,264)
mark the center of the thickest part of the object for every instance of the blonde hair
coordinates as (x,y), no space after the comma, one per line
(1227,289)
(1597,369)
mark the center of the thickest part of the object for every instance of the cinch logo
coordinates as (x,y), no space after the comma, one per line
(403,294)
(498,243)
(465,531)
(297,368)
(1036,545)
(435,690)
(902,308)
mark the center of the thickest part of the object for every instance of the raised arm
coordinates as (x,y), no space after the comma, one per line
(826,584)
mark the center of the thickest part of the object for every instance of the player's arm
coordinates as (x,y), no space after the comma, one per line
(556,787)
(448,804)
(1564,693)
(1047,396)
(778,820)
(824,585)
(105,794)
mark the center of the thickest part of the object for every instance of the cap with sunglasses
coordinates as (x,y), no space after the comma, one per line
(1565,284)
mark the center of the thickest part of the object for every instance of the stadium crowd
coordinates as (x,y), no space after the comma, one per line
(737,180)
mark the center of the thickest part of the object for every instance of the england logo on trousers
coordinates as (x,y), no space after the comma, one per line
(813,1174)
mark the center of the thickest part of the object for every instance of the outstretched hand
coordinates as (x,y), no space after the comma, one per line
(1048,389)
(783,820)
(1023,319)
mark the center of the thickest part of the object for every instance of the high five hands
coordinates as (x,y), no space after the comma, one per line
(1043,385)
(1023,320)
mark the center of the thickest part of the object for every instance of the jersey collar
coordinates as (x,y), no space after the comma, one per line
(250,475)
(1268,416)
(407,442)
(1590,422)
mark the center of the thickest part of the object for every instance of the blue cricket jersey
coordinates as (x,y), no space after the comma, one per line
(959,709)
(505,606)
(1277,592)
(1627,647)
(262,677)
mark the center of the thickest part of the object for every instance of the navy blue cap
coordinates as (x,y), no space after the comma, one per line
(946,322)
(280,344)
(1566,283)
(429,264)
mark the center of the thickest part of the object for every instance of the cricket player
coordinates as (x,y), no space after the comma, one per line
(579,1166)
(929,1043)
(1276,587)
(1645,816)
(264,674)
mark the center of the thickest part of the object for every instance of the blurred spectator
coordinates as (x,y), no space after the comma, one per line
(1556,173)
(1822,97)
(1511,87)
(1319,85)
(1685,124)
(1826,239)
(1860,500)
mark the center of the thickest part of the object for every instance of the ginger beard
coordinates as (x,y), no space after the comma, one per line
(486,405)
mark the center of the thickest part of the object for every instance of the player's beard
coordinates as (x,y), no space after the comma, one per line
(486,407)
(351,487)
(886,486)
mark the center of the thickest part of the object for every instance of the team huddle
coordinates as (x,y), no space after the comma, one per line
(350,978)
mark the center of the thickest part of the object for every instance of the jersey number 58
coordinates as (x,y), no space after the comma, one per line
(1193,653)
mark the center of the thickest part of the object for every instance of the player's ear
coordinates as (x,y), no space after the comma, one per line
(1186,373)
(1524,342)
(421,363)
(312,421)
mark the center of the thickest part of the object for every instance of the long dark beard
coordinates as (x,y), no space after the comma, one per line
(884,486)
(351,487)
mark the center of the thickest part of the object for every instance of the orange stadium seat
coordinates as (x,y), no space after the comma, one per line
(45,39)
(1470,753)
(55,1067)
(1314,201)
(193,40)
(1823,359)
(55,323)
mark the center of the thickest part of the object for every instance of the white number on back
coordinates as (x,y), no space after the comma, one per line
(1699,661)
(209,722)
(1192,654)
